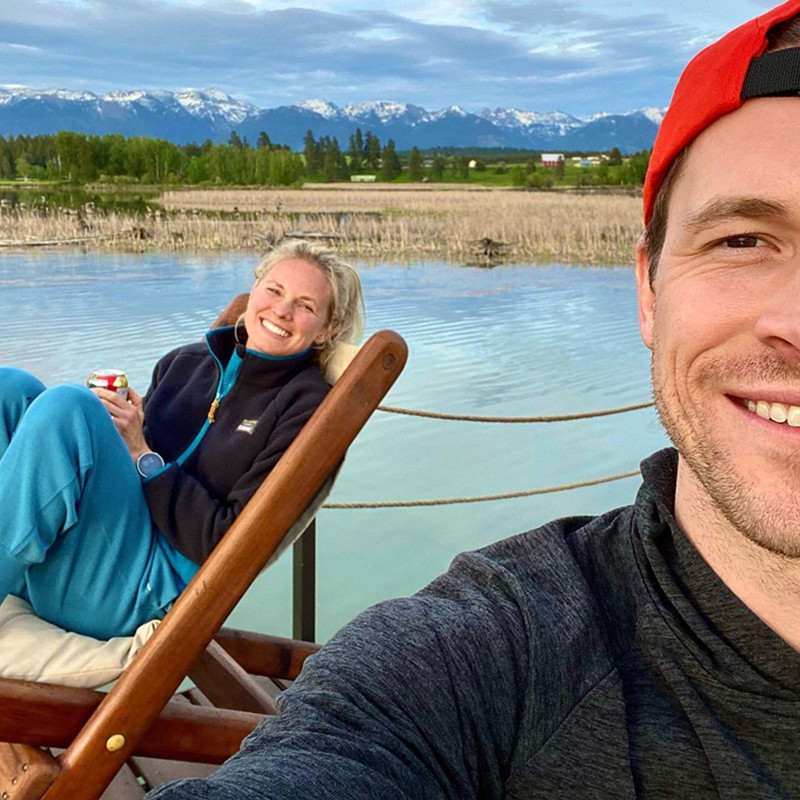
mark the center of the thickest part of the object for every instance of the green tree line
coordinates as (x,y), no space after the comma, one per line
(81,158)
(325,160)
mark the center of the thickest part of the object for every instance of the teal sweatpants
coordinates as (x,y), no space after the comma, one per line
(76,537)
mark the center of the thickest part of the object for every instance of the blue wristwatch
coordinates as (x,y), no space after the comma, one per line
(148,464)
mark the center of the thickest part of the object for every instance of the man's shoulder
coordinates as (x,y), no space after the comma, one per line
(517,623)
(571,547)
(545,582)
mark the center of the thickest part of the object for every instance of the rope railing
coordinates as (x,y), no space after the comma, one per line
(549,418)
(449,501)
(483,498)
(304,580)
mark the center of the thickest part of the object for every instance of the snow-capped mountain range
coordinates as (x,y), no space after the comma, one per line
(194,116)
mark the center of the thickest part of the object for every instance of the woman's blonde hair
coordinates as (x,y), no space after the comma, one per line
(346,310)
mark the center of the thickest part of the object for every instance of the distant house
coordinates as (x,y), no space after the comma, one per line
(589,161)
(363,178)
(552,159)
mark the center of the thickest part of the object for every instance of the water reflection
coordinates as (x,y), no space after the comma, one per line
(508,341)
(49,199)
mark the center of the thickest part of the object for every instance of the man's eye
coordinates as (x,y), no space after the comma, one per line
(744,240)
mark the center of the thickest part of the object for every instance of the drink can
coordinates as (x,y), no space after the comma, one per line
(113,379)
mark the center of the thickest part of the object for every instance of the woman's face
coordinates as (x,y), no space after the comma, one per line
(288,309)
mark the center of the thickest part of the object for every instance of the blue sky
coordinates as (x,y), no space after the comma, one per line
(575,56)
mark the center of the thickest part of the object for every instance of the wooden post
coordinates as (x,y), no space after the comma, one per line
(304,585)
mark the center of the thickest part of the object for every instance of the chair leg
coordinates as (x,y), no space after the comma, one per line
(226,684)
(25,772)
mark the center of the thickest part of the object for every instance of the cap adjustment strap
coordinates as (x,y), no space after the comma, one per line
(773,74)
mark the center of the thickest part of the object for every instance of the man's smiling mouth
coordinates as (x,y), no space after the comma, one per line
(777,412)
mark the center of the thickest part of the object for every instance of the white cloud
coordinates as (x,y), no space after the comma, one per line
(531,54)
(26,48)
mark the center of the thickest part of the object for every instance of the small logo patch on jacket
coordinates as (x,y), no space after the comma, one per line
(247,426)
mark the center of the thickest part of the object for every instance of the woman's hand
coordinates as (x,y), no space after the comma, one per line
(128,416)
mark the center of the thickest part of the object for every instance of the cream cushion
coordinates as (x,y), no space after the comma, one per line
(342,355)
(34,650)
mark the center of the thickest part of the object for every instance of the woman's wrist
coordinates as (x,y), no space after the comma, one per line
(148,463)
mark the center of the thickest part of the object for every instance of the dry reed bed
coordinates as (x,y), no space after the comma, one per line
(366,221)
(421,221)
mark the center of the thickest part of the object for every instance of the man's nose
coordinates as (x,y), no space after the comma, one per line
(778,324)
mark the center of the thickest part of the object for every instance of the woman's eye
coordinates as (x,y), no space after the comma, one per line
(272,291)
(743,240)
(305,307)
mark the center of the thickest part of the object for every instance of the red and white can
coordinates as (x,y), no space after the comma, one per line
(113,379)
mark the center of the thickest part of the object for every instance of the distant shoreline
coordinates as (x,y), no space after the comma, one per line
(464,224)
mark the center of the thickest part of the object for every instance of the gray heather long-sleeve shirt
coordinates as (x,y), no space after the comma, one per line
(591,658)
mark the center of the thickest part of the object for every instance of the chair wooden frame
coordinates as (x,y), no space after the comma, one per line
(100,732)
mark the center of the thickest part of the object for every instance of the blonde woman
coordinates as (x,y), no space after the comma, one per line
(108,505)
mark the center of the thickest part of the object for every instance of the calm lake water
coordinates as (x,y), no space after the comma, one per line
(513,340)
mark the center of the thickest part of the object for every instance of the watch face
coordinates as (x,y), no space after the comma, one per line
(148,463)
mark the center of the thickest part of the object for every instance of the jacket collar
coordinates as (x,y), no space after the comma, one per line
(716,627)
(256,369)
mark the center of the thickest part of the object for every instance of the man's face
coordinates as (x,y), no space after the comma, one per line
(723,321)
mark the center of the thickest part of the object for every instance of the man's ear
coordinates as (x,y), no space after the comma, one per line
(645,293)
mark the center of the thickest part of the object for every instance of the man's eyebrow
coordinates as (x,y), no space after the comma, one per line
(734,207)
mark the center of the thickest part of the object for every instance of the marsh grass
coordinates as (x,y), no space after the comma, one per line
(400,222)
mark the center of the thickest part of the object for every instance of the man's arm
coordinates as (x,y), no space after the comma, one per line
(417,698)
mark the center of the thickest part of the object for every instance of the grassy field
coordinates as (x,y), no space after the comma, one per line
(399,222)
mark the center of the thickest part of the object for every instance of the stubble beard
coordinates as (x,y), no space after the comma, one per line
(770,520)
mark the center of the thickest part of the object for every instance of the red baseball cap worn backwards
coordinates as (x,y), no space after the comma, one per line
(718,80)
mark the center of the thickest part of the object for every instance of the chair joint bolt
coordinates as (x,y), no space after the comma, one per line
(115,742)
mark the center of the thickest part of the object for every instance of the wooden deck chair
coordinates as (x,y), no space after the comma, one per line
(101,731)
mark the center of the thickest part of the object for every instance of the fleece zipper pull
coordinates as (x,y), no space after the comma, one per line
(225,384)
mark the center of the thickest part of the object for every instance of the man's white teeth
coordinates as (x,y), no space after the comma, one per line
(274,328)
(777,412)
